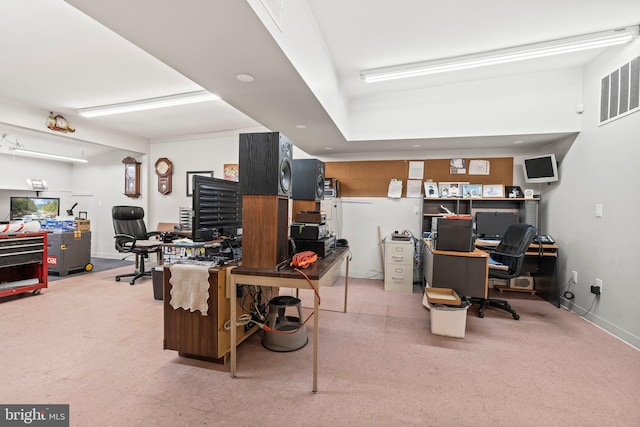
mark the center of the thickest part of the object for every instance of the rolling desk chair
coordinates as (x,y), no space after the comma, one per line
(132,238)
(506,262)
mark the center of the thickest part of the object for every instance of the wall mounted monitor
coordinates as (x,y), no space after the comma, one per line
(34,208)
(542,168)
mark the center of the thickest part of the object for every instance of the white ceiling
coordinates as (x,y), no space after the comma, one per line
(55,57)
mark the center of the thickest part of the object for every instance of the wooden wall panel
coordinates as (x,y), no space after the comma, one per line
(371,178)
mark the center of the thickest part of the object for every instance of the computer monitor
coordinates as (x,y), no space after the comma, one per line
(494,224)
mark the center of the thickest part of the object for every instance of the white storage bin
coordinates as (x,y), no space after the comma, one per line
(449,321)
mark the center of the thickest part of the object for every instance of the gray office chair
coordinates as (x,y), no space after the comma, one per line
(132,238)
(509,254)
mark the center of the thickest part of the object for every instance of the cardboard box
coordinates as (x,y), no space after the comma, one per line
(442,296)
(83,225)
(448,321)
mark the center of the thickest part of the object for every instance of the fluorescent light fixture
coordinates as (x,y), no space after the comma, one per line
(37,184)
(48,156)
(149,104)
(519,53)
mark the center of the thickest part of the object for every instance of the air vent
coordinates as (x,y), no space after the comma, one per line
(276,11)
(620,92)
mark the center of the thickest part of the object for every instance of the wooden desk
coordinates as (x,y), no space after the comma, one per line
(320,273)
(540,262)
(464,272)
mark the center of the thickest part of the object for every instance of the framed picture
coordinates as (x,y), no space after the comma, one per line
(450,189)
(513,191)
(472,191)
(231,172)
(431,189)
(190,176)
(491,190)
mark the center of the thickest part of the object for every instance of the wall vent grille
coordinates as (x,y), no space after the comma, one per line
(620,92)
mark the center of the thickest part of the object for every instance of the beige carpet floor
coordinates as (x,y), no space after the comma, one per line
(96,345)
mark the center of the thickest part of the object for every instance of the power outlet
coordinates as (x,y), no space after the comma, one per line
(599,284)
(574,277)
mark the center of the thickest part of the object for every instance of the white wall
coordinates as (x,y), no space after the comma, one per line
(600,169)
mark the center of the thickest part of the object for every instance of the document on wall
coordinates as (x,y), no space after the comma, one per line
(479,167)
(414,188)
(416,170)
(395,189)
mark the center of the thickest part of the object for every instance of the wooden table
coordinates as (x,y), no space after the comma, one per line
(320,274)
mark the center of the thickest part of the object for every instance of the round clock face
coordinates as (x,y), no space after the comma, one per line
(131,171)
(162,167)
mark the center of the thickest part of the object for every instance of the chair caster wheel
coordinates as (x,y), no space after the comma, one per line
(516,316)
(481,315)
(132,283)
(117,279)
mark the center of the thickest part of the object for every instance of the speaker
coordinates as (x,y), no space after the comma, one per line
(521,282)
(265,162)
(265,230)
(308,179)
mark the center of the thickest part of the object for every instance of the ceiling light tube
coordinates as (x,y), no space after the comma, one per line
(149,104)
(48,155)
(519,53)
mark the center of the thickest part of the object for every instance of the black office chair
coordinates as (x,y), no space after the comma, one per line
(510,255)
(132,238)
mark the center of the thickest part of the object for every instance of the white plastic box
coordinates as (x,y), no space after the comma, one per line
(448,321)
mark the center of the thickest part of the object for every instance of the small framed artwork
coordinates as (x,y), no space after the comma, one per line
(190,176)
(513,191)
(231,172)
(491,190)
(443,189)
(472,191)
(431,189)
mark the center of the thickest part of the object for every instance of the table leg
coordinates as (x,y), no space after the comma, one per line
(316,329)
(234,320)
(346,284)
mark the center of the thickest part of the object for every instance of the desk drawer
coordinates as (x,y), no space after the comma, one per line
(398,253)
(398,278)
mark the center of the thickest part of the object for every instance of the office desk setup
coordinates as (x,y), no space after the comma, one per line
(540,262)
(321,273)
(466,272)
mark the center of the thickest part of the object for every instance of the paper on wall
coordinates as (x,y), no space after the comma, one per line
(414,188)
(416,170)
(395,189)
(479,167)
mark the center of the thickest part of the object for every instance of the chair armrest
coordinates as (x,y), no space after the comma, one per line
(122,239)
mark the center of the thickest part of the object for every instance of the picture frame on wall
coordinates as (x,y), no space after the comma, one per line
(492,190)
(472,191)
(190,176)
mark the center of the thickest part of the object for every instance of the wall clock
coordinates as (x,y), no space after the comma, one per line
(131,177)
(164,170)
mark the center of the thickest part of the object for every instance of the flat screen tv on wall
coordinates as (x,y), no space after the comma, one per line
(542,168)
(34,208)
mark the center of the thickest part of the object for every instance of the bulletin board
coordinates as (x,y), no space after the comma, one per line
(371,178)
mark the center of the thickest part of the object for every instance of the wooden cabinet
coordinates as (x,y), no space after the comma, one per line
(195,335)
(432,207)
(398,265)
(23,265)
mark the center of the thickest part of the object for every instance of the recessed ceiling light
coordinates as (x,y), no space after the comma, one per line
(245,78)
(328,148)
(518,141)
(416,145)
(301,126)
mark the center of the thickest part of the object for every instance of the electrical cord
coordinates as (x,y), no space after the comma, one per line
(244,319)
